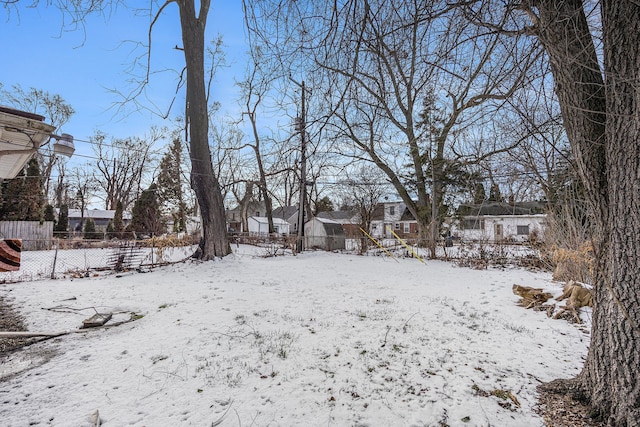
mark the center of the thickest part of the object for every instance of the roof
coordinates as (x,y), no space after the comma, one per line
(21,135)
(501,208)
(265,220)
(407,215)
(97,214)
(251,207)
(326,220)
(285,212)
(336,215)
(378,212)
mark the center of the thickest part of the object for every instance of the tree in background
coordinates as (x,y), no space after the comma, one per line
(170,192)
(121,166)
(23,197)
(405,84)
(146,218)
(82,184)
(255,87)
(61,226)
(50,214)
(89,231)
(323,205)
(118,223)
(361,193)
(215,242)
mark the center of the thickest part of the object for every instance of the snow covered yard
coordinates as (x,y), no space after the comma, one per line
(318,339)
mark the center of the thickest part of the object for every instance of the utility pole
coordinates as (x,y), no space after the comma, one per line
(300,126)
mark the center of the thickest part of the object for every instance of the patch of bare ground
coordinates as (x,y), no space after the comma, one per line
(562,410)
(16,355)
(11,321)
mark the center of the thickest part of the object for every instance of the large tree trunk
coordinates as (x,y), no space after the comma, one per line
(215,242)
(602,119)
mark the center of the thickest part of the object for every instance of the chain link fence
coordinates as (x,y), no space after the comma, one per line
(81,257)
(77,257)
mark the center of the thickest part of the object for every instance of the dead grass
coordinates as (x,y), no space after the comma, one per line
(561,410)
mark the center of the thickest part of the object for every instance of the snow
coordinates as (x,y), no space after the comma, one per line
(316,339)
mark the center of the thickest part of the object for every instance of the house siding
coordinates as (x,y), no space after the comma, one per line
(495,228)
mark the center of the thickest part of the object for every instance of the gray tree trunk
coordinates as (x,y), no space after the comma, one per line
(602,119)
(215,242)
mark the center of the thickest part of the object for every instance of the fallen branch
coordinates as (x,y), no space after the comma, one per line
(27,334)
(47,335)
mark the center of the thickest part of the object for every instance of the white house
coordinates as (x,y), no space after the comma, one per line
(496,222)
(289,214)
(260,225)
(387,215)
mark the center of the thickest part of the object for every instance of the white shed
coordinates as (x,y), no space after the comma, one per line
(324,234)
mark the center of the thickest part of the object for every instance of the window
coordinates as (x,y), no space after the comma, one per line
(406,227)
(396,226)
(473,224)
(523,230)
(392,210)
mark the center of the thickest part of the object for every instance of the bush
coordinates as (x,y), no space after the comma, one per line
(90,232)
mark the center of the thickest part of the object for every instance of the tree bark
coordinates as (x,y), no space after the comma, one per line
(602,119)
(215,242)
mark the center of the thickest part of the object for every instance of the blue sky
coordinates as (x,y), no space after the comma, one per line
(84,66)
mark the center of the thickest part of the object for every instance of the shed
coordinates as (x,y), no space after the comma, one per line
(324,234)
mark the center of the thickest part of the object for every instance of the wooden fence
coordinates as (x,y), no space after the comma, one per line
(35,235)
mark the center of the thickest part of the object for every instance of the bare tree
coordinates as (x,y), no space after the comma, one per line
(215,242)
(255,87)
(594,66)
(121,166)
(361,193)
(82,187)
(601,115)
(402,79)
(193,20)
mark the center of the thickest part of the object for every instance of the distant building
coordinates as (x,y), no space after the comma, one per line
(497,222)
(100,217)
(322,233)
(289,214)
(260,225)
(350,221)
(237,218)
(393,216)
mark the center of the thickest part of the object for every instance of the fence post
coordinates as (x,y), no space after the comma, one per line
(55,259)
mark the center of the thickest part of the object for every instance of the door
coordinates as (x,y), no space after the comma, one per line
(498,232)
